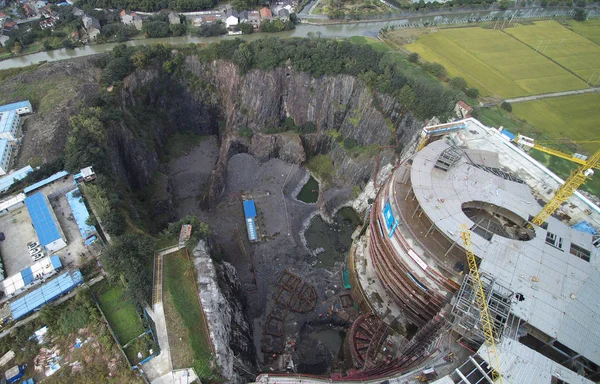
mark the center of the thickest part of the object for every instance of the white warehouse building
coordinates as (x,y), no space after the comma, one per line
(9,125)
(5,155)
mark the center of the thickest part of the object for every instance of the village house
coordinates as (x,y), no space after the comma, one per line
(231,18)
(254,18)
(131,18)
(91,25)
(462,110)
(265,13)
(283,14)
(47,23)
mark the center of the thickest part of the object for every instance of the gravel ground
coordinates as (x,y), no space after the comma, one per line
(281,219)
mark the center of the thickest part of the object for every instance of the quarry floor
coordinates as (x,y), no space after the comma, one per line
(314,338)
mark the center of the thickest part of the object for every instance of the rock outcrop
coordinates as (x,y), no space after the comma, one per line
(221,297)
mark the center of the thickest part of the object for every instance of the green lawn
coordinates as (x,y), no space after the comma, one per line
(188,338)
(375,43)
(119,311)
(494,62)
(565,47)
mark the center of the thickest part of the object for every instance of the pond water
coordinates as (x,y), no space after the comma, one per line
(331,243)
(310,192)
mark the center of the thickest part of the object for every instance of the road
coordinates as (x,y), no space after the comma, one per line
(549,95)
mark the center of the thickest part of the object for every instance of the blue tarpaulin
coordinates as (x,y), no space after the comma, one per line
(42,219)
(249,208)
(48,180)
(48,292)
(508,134)
(80,213)
(586,227)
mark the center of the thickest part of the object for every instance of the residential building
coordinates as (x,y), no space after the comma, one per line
(131,18)
(47,23)
(9,125)
(5,154)
(174,18)
(78,12)
(283,14)
(9,26)
(462,110)
(265,13)
(231,18)
(91,25)
(21,107)
(254,18)
(243,16)
(40,4)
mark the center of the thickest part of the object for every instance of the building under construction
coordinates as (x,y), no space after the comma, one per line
(410,270)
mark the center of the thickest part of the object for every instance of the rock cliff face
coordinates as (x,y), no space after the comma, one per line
(260,100)
(221,296)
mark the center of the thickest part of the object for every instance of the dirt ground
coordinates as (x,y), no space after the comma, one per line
(280,223)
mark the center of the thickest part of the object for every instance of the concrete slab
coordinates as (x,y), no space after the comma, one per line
(179,376)
(18,231)
(161,364)
(75,250)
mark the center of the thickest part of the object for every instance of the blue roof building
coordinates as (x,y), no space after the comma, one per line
(80,213)
(250,213)
(21,107)
(17,175)
(46,181)
(44,222)
(5,155)
(9,125)
(47,293)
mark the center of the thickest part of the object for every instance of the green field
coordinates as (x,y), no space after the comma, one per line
(120,312)
(565,47)
(589,29)
(377,45)
(188,338)
(494,62)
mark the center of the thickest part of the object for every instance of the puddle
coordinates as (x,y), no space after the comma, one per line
(331,338)
(310,192)
(331,243)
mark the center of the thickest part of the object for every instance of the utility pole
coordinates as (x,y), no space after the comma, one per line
(563,39)
(547,45)
(588,82)
(540,43)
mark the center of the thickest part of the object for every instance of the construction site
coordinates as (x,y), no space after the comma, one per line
(476,265)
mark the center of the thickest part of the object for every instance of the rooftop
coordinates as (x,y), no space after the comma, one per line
(558,287)
(80,213)
(42,219)
(6,120)
(47,180)
(17,105)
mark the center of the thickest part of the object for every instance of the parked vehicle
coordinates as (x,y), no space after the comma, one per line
(2,236)
(33,245)
(35,250)
(38,256)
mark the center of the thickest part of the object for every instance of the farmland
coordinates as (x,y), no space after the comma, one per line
(495,62)
(590,29)
(563,46)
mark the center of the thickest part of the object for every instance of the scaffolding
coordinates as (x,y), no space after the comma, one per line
(466,311)
(448,158)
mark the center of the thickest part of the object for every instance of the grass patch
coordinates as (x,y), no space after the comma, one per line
(119,311)
(139,349)
(181,144)
(321,166)
(494,62)
(376,44)
(188,340)
(6,74)
(497,117)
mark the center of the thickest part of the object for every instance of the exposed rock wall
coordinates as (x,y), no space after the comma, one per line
(221,297)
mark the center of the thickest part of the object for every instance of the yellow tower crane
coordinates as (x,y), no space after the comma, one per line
(484,314)
(528,142)
(577,178)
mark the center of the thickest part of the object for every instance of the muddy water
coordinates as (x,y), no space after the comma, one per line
(310,192)
(331,338)
(330,243)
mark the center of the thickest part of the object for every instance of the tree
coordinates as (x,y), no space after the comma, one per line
(68,44)
(506,106)
(246,28)
(178,29)
(407,98)
(153,29)
(580,14)
(504,4)
(436,69)
(116,70)
(473,93)
(17,48)
(458,83)
(413,57)
(47,46)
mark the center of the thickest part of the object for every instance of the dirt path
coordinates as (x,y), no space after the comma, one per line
(549,95)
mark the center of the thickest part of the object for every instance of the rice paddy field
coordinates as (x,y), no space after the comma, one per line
(575,117)
(563,46)
(495,62)
(589,29)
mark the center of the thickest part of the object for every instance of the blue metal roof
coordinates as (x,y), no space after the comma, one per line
(27,276)
(17,105)
(48,180)
(508,134)
(17,175)
(249,208)
(42,219)
(46,293)
(55,261)
(80,213)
